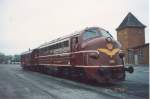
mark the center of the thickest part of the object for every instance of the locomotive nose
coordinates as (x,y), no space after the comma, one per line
(109,43)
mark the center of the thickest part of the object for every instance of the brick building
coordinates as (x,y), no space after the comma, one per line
(131,34)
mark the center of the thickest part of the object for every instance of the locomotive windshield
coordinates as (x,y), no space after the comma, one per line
(92,33)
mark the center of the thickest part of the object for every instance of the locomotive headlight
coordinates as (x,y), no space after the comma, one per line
(94,55)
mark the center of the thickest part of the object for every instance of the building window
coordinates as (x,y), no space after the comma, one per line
(130,56)
(140,55)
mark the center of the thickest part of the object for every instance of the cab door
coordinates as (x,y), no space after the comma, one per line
(76,56)
(35,55)
(74,44)
(74,49)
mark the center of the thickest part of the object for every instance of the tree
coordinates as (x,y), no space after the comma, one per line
(16,58)
(2,58)
(9,58)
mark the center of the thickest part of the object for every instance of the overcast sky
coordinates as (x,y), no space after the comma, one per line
(28,23)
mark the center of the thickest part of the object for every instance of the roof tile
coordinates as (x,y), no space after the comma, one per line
(130,21)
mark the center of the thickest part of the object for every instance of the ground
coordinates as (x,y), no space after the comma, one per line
(16,83)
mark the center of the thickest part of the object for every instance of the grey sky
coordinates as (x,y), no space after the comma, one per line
(28,23)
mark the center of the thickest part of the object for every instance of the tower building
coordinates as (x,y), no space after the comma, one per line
(131,34)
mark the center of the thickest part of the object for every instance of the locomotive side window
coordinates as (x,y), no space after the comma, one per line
(55,48)
(88,34)
(66,43)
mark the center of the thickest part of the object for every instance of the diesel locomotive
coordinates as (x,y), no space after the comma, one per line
(90,54)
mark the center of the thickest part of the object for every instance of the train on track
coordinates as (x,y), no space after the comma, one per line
(90,54)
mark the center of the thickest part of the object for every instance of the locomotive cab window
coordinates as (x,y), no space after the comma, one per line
(89,34)
(104,33)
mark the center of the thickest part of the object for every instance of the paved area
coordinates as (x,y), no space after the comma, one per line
(16,83)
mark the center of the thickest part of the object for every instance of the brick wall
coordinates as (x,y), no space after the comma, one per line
(131,37)
(146,55)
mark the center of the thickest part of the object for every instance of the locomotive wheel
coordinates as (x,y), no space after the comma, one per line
(77,73)
(66,72)
(36,68)
(74,73)
(60,72)
(40,68)
(82,75)
(44,70)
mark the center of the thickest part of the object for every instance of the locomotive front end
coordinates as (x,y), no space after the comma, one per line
(112,66)
(105,63)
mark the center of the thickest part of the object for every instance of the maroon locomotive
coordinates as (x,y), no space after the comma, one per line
(90,54)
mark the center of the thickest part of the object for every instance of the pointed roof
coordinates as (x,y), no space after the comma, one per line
(130,21)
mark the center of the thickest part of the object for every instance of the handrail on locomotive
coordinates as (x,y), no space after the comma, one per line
(129,69)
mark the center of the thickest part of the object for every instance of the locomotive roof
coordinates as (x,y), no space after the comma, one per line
(58,40)
(130,21)
(65,37)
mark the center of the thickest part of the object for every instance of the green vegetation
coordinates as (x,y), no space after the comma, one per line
(9,58)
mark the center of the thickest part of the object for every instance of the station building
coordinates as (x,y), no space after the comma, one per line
(131,34)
